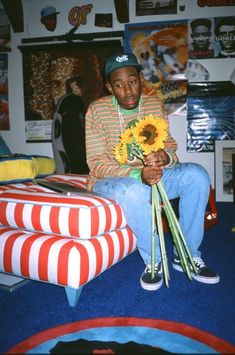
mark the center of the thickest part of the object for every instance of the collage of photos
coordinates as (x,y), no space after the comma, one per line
(167,51)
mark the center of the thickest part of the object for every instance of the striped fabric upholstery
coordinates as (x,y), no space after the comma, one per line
(77,216)
(76,180)
(59,239)
(59,260)
(49,212)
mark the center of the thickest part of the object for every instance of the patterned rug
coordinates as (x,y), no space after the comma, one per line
(123,335)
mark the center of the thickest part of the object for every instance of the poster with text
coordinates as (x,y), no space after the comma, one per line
(161,49)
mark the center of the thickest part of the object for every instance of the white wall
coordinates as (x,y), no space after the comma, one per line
(15,138)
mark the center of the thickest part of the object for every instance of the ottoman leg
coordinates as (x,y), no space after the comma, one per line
(73,295)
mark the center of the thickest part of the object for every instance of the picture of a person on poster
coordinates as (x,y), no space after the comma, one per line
(225,35)
(49,17)
(201,46)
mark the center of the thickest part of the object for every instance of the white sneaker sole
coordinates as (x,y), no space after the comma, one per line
(149,287)
(205,280)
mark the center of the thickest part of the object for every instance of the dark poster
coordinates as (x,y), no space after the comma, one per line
(53,71)
(211,115)
(156,7)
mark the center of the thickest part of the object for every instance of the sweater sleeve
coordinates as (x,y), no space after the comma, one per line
(170,146)
(100,159)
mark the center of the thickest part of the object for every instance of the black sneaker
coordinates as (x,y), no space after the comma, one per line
(205,274)
(146,280)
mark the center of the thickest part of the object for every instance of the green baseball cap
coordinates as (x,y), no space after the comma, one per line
(120,60)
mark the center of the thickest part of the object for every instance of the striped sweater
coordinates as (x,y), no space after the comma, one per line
(103,132)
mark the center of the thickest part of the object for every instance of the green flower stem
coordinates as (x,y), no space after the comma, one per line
(157,208)
(179,235)
(177,243)
(153,239)
(138,154)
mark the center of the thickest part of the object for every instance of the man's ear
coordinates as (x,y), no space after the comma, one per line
(109,87)
(142,78)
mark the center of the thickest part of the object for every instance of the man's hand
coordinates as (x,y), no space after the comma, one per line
(154,164)
(156,157)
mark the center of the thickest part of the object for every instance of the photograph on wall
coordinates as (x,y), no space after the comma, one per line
(4,105)
(201,38)
(225,37)
(5,32)
(50,72)
(210,115)
(156,7)
(161,49)
(224,157)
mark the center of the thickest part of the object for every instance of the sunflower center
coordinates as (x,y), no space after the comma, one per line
(150,133)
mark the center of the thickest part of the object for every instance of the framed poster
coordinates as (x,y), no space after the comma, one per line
(156,7)
(224,151)
(52,71)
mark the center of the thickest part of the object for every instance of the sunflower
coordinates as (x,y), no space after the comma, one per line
(150,133)
(120,153)
(121,149)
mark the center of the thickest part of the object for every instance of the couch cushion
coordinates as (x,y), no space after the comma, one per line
(61,260)
(49,212)
(21,167)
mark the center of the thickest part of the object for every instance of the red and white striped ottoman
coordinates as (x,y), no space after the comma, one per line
(63,240)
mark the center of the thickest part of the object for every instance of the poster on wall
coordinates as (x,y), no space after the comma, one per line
(201,38)
(4,106)
(156,7)
(5,32)
(52,71)
(225,37)
(210,115)
(225,173)
(211,38)
(161,48)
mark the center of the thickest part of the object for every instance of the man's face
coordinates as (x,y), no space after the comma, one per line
(227,37)
(201,37)
(125,85)
(50,22)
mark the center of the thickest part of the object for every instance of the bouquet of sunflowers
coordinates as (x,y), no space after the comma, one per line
(140,138)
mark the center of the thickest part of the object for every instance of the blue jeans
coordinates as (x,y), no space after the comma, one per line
(188,181)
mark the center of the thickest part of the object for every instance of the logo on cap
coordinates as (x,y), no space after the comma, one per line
(123,58)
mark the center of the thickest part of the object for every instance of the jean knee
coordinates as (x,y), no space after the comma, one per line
(198,175)
(132,189)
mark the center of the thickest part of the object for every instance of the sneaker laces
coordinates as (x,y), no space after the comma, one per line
(199,262)
(148,268)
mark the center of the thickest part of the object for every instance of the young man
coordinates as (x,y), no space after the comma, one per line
(130,184)
(225,35)
(201,46)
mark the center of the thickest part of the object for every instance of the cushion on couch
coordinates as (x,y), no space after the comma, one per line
(50,212)
(21,167)
(61,260)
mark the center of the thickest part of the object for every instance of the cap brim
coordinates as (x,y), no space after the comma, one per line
(54,14)
(137,66)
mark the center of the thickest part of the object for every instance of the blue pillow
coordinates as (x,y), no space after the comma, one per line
(3,147)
